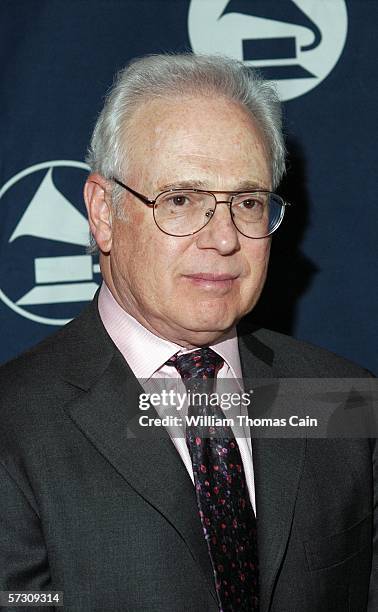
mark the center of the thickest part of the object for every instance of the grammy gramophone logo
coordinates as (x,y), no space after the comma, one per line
(294,43)
(45,272)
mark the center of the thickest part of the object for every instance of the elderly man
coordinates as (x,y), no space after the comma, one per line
(185,158)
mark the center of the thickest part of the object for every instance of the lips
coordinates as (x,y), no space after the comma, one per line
(212,284)
(205,276)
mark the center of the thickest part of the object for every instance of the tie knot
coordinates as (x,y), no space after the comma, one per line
(201,365)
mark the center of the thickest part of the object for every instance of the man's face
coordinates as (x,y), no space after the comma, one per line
(189,290)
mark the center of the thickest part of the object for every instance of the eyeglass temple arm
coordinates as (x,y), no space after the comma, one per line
(141,197)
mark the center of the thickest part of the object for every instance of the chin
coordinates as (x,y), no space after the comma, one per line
(208,330)
(201,338)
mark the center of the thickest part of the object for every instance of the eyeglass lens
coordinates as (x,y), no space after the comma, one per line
(181,213)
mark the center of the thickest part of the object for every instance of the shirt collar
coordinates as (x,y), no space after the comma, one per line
(144,351)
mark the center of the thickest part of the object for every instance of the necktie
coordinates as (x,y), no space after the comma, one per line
(225,510)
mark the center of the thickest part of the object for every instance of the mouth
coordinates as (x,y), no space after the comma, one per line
(211,281)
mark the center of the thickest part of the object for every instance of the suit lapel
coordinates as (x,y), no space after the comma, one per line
(277,465)
(107,413)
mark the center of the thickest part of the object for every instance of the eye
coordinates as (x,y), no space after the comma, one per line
(176,201)
(249,203)
(179,199)
(251,206)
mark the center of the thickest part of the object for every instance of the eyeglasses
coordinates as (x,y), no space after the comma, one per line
(183,212)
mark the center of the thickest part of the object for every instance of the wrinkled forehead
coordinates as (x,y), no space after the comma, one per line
(201,133)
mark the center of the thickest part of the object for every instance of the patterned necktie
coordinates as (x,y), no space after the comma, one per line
(225,510)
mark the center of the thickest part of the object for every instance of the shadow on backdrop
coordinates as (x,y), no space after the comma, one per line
(290,272)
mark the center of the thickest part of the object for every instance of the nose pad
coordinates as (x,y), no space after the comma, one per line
(222,235)
(211,211)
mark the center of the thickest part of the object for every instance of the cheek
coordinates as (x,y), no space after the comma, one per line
(257,254)
(148,257)
(132,234)
(257,258)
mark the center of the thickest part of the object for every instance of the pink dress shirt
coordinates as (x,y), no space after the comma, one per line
(147,354)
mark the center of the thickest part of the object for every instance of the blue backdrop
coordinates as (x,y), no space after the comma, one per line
(58,58)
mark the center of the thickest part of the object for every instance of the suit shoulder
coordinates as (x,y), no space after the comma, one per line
(79,338)
(32,364)
(292,357)
(47,375)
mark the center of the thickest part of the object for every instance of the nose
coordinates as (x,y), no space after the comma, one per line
(220,233)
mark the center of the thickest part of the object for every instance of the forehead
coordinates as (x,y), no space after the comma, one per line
(200,137)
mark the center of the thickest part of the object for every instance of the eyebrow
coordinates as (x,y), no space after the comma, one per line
(196,184)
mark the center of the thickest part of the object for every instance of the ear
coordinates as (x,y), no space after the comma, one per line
(97,198)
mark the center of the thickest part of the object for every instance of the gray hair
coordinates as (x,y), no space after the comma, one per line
(172,75)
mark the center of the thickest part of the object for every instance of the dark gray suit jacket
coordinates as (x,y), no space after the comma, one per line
(113,522)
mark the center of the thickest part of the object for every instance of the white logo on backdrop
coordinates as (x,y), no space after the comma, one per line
(295,43)
(49,215)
